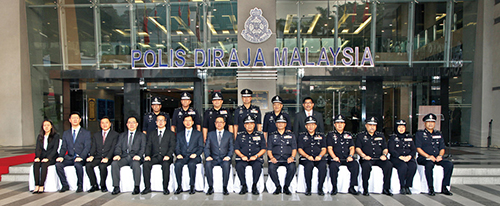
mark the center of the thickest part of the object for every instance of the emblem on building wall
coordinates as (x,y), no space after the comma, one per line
(256,27)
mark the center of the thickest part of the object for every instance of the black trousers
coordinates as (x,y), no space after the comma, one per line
(429,165)
(308,171)
(353,168)
(62,175)
(179,164)
(406,171)
(103,171)
(165,167)
(134,164)
(256,168)
(209,167)
(273,171)
(366,167)
(41,167)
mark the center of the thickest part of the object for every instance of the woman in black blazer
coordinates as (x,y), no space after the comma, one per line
(47,144)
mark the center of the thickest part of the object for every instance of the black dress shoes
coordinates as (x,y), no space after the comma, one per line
(104,189)
(254,190)
(387,192)
(408,191)
(334,190)
(136,190)
(166,192)
(353,191)
(308,192)
(94,188)
(146,191)
(210,190)
(79,189)
(178,190)
(402,191)
(64,189)
(191,190)
(224,191)
(243,190)
(365,192)
(286,190)
(445,191)
(277,191)
(431,192)
(116,190)
(320,192)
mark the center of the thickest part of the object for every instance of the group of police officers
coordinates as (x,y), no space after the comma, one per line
(220,136)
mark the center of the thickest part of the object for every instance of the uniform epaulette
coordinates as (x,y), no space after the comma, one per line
(420,130)
(275,132)
(242,132)
(301,133)
(259,132)
(269,112)
(321,133)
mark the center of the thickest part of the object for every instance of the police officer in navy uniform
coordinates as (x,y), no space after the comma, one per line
(341,150)
(403,150)
(281,150)
(149,119)
(216,111)
(430,148)
(249,147)
(312,148)
(372,148)
(270,117)
(244,110)
(185,109)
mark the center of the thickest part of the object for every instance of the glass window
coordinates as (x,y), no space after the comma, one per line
(392,32)
(429,31)
(115,36)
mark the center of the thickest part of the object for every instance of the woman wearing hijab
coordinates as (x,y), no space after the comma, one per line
(403,150)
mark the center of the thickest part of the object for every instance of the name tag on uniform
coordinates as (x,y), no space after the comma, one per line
(378,138)
(254,111)
(318,138)
(436,137)
(347,137)
(256,138)
(191,112)
(408,139)
(287,137)
(223,112)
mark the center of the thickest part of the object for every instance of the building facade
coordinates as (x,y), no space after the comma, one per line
(109,57)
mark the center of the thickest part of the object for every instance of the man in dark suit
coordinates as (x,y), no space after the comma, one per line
(101,153)
(188,150)
(129,151)
(301,116)
(76,143)
(160,149)
(218,151)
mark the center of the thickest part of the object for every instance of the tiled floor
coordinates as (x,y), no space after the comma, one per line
(16,193)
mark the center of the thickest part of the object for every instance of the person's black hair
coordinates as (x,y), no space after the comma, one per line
(134,118)
(105,117)
(221,116)
(75,112)
(186,116)
(304,100)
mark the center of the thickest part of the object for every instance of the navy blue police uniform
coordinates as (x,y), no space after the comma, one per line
(432,143)
(269,124)
(211,114)
(281,147)
(402,145)
(179,113)
(149,119)
(241,112)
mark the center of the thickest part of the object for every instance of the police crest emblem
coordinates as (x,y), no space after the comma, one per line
(256,27)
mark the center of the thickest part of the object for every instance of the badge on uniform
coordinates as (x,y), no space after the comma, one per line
(408,139)
(396,139)
(254,111)
(256,138)
(436,136)
(365,138)
(192,113)
(241,111)
(306,138)
(317,137)
(223,112)
(378,138)
(347,136)
(210,113)
(287,137)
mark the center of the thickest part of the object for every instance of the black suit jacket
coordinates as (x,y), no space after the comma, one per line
(138,145)
(98,150)
(165,148)
(81,146)
(196,145)
(300,125)
(216,151)
(51,152)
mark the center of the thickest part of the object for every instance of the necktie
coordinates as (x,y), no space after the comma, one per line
(160,136)
(219,137)
(74,136)
(188,137)
(103,137)
(130,141)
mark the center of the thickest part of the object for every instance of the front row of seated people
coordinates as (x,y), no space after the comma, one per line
(132,148)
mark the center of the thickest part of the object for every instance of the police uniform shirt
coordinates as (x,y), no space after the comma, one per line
(178,117)
(212,114)
(430,143)
(149,121)
(371,145)
(270,121)
(311,144)
(401,145)
(241,112)
(249,144)
(281,145)
(340,143)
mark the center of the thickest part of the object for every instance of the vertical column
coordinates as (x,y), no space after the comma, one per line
(374,98)
(16,109)
(131,99)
